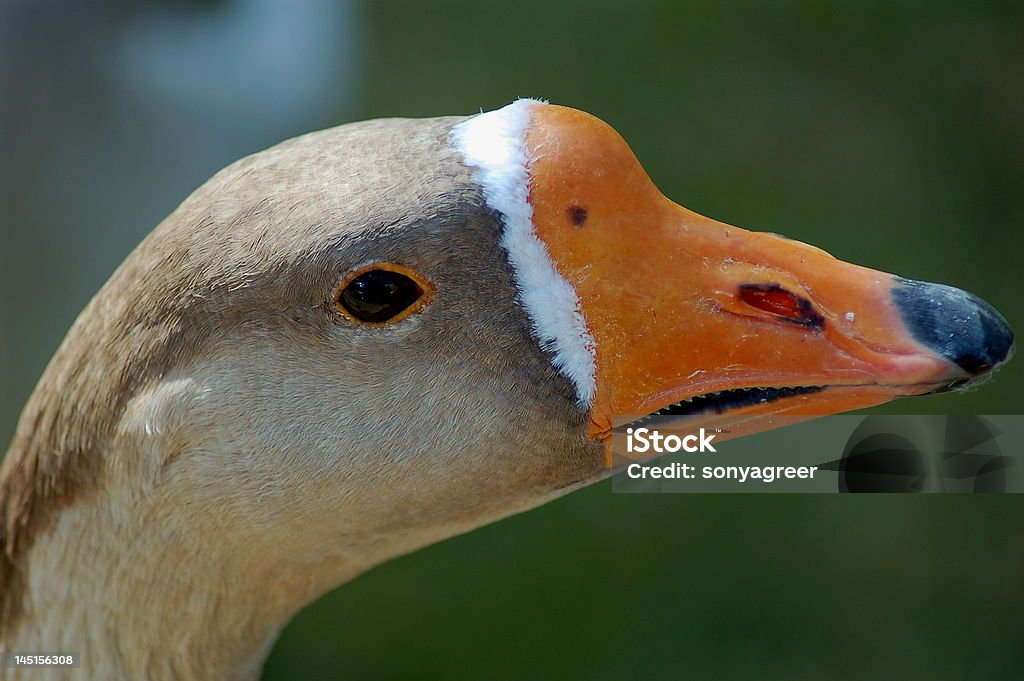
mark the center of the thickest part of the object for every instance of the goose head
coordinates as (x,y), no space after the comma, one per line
(370,338)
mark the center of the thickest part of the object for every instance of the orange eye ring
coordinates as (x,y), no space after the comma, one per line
(382,294)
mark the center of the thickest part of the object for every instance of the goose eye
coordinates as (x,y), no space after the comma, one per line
(381,294)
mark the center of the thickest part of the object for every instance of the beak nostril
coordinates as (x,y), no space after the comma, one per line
(776,300)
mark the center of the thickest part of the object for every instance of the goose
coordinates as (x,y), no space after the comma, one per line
(371,338)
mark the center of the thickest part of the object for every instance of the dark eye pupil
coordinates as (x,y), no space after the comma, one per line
(378,295)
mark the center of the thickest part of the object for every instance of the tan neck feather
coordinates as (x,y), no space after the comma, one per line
(55,457)
(138,593)
(141,570)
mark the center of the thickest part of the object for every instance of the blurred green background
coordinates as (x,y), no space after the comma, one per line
(888,134)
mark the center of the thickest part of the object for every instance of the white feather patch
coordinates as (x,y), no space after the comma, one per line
(495,144)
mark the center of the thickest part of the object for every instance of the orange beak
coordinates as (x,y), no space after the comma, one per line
(745,325)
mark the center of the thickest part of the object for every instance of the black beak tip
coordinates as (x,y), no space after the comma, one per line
(956,324)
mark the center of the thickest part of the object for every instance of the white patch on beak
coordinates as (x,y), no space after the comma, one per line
(495,144)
